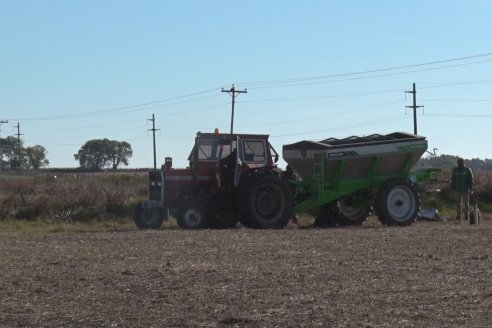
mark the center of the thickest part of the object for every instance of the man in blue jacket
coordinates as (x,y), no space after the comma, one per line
(462,184)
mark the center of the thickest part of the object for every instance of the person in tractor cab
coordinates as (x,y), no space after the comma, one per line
(289,173)
(226,168)
(462,185)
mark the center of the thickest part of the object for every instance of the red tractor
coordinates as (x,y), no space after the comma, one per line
(220,187)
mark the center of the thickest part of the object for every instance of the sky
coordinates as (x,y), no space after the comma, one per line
(73,71)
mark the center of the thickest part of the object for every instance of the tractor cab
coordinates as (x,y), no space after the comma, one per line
(229,156)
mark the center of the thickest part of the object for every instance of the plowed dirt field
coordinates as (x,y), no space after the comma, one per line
(432,274)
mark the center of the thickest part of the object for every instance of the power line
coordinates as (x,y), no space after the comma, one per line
(456,84)
(128,108)
(457,100)
(275,84)
(461,115)
(356,94)
(325,97)
(324,116)
(303,79)
(284,85)
(388,119)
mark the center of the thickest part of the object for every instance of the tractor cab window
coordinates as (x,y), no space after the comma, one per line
(226,149)
(208,150)
(254,151)
(213,149)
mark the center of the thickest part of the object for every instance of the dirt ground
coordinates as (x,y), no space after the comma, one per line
(432,274)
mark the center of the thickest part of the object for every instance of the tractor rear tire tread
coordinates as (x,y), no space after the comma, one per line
(264,201)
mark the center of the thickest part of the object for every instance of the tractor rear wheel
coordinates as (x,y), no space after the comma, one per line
(398,202)
(265,201)
(192,215)
(148,218)
(351,215)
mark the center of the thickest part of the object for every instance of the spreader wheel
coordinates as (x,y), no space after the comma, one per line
(398,202)
(327,215)
(350,214)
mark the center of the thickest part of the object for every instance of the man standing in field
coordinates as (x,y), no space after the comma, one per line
(462,184)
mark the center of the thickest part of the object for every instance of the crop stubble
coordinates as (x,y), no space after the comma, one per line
(429,274)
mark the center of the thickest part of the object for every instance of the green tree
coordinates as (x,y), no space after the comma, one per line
(35,157)
(97,154)
(119,153)
(9,157)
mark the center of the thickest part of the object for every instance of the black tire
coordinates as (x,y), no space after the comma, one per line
(192,215)
(326,217)
(148,218)
(265,201)
(351,215)
(398,202)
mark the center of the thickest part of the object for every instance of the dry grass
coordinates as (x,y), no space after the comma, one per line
(69,198)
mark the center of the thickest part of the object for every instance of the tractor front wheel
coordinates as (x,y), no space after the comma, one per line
(148,218)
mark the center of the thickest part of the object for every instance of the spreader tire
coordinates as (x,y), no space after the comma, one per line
(192,215)
(327,215)
(265,201)
(398,202)
(351,215)
(148,218)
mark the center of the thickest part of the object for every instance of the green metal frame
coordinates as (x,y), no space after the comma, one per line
(322,192)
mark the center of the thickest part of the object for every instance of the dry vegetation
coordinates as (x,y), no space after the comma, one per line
(71,197)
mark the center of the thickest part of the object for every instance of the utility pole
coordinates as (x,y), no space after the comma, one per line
(414,106)
(18,134)
(153,136)
(1,150)
(234,93)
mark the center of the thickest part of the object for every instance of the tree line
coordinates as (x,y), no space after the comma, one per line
(449,161)
(95,154)
(13,155)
